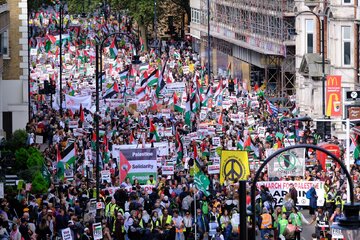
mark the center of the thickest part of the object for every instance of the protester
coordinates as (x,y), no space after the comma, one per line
(167,99)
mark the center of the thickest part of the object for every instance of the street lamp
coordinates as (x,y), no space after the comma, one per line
(351,220)
(98,56)
(61,9)
(322,51)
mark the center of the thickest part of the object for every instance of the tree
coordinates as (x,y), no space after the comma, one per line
(39,184)
(21,157)
(35,160)
(17,140)
(142,12)
(184,4)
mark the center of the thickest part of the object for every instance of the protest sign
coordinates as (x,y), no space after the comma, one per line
(167,170)
(66,234)
(92,206)
(142,162)
(162,148)
(216,141)
(214,169)
(39,139)
(289,163)
(105,176)
(73,124)
(177,87)
(279,189)
(234,166)
(97,231)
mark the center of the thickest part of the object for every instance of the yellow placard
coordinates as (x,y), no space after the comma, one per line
(234,166)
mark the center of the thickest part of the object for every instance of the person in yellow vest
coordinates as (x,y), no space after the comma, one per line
(165,219)
(179,226)
(151,181)
(266,223)
(330,200)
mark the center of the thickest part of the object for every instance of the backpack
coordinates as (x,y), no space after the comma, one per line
(308,194)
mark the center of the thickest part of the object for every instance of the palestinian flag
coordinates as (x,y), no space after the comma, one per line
(114,89)
(113,50)
(51,38)
(188,112)
(58,154)
(177,108)
(179,147)
(220,119)
(68,156)
(294,110)
(153,78)
(142,45)
(218,89)
(102,78)
(194,103)
(106,154)
(124,168)
(229,69)
(153,133)
(160,86)
(141,93)
(124,74)
(93,140)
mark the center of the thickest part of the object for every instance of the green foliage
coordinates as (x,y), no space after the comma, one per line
(39,184)
(86,6)
(17,140)
(35,5)
(35,160)
(21,156)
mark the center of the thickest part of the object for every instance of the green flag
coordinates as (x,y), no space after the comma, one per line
(45,173)
(202,182)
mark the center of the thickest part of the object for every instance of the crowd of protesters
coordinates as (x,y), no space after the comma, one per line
(174,208)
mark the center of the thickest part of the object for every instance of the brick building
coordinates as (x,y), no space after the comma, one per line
(13,65)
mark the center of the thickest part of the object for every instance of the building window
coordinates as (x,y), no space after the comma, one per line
(195,15)
(346,1)
(346,45)
(309,35)
(4,43)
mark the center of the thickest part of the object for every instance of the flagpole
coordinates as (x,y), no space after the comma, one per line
(98,218)
(195,216)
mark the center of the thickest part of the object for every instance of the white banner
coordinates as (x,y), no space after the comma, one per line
(97,231)
(289,163)
(177,87)
(73,103)
(280,188)
(162,148)
(216,141)
(73,124)
(105,176)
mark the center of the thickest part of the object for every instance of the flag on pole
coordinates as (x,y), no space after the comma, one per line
(112,90)
(271,108)
(113,49)
(68,156)
(177,108)
(179,146)
(82,117)
(153,133)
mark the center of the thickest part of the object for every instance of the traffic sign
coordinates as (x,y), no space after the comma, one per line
(352,95)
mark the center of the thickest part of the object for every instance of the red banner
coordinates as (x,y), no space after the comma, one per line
(333,96)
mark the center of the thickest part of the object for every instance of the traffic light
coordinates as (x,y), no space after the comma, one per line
(323,129)
(46,86)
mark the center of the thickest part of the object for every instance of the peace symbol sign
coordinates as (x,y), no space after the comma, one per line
(287,161)
(233,170)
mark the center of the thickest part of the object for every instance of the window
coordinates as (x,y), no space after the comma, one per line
(346,1)
(309,35)
(195,15)
(4,43)
(346,45)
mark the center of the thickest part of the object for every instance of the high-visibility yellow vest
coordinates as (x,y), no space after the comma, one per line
(167,221)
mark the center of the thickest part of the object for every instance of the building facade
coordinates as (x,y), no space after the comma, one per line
(14,76)
(254,36)
(341,49)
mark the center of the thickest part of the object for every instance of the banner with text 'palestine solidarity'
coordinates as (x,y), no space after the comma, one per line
(142,164)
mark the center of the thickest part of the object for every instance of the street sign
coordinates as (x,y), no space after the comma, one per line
(352,95)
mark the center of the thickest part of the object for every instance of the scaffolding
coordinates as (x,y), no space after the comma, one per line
(264,26)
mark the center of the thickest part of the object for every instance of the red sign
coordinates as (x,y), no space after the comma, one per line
(333,96)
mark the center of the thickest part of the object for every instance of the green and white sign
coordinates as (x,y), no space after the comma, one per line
(289,163)
(143,163)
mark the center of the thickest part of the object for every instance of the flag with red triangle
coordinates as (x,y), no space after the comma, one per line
(154,136)
(82,117)
(112,90)
(124,167)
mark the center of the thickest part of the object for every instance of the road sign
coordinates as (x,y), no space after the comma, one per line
(352,95)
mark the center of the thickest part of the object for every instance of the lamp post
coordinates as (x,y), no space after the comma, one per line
(351,221)
(208,33)
(155,26)
(98,56)
(61,9)
(322,51)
